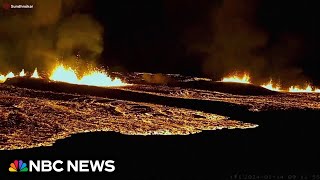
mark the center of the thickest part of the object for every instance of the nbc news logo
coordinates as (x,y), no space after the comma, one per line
(18,166)
(59,166)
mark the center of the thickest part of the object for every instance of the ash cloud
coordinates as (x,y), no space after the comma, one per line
(54,30)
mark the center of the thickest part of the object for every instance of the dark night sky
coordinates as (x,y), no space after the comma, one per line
(267,38)
(176,36)
(150,35)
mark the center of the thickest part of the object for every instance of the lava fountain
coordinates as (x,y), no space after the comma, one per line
(22,73)
(94,78)
(10,75)
(238,79)
(35,74)
(62,74)
(308,89)
(101,79)
(2,78)
(271,86)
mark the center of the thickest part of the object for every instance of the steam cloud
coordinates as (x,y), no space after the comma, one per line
(52,30)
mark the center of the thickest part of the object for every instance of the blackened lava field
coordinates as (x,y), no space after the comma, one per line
(35,116)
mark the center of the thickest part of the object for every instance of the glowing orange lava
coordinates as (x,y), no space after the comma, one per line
(101,79)
(21,74)
(60,73)
(308,89)
(10,75)
(245,78)
(2,78)
(271,86)
(238,79)
(94,78)
(35,74)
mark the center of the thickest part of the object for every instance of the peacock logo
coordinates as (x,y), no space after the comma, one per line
(18,166)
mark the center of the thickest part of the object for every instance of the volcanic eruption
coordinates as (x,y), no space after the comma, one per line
(271,86)
(68,75)
(45,101)
(245,79)
(35,73)
(92,78)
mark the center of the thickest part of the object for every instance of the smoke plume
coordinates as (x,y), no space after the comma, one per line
(54,30)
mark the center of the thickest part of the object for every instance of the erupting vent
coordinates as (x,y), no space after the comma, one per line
(238,79)
(245,78)
(93,78)
(271,86)
(68,75)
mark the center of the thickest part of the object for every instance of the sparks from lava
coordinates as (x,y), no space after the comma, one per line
(245,78)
